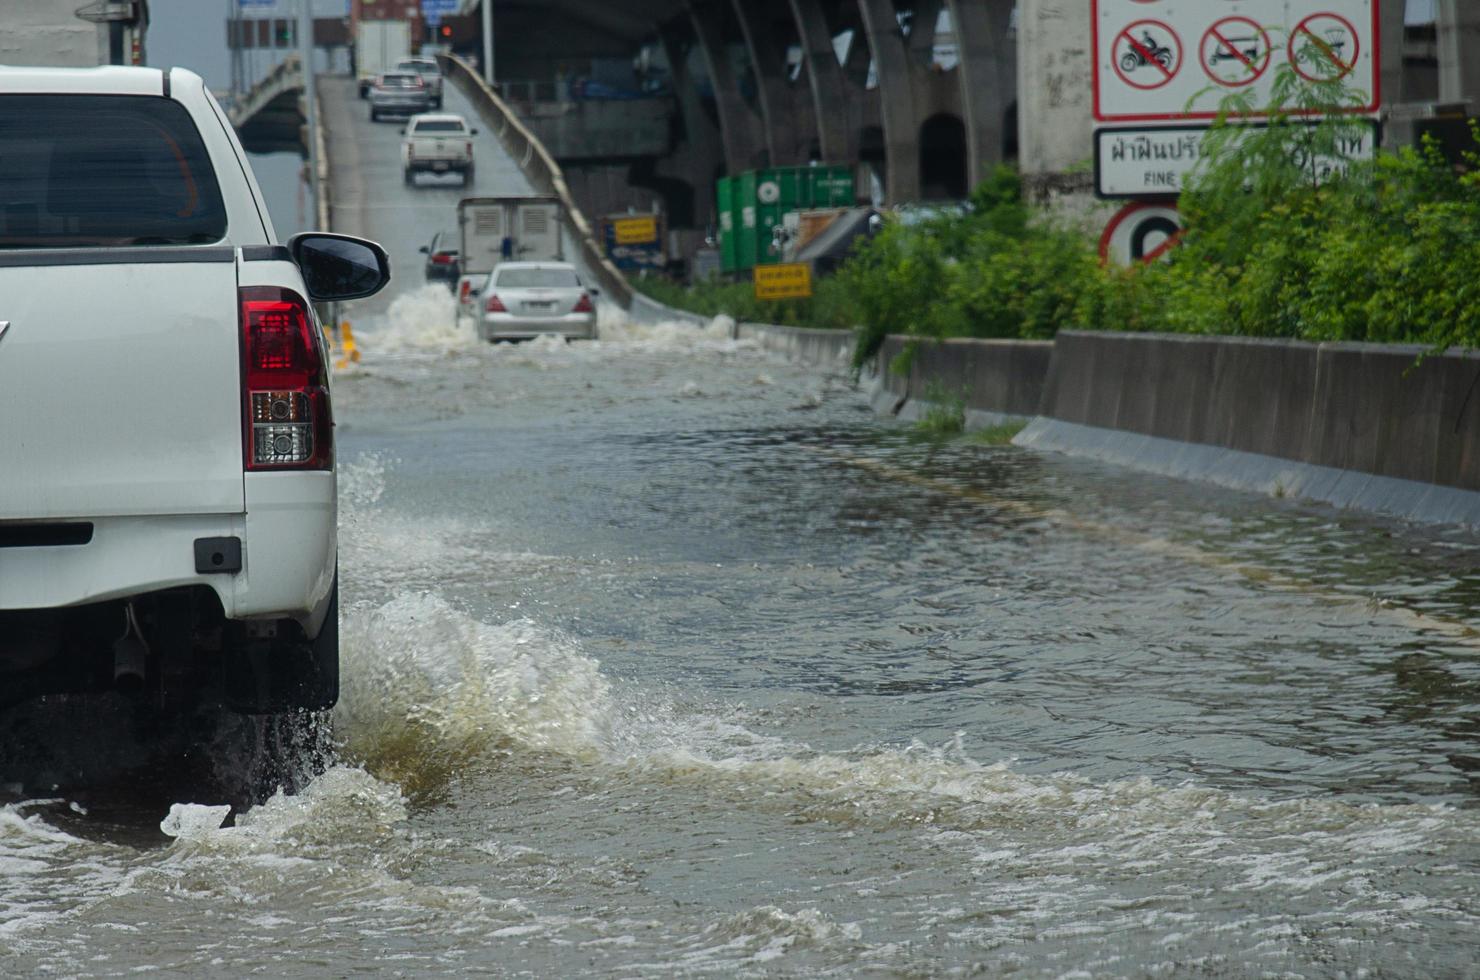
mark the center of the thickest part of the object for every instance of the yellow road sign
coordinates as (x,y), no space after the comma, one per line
(635,231)
(792,280)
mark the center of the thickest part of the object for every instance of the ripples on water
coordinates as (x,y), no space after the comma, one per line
(991,720)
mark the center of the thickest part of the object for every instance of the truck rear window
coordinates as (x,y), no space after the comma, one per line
(104,170)
(438,126)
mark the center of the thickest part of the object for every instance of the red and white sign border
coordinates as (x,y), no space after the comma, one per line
(1099,116)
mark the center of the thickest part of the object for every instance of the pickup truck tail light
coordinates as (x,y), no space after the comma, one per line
(287,422)
(583,305)
(494,305)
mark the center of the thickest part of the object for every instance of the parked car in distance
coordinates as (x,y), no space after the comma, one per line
(437,144)
(442,265)
(430,73)
(530,299)
(398,93)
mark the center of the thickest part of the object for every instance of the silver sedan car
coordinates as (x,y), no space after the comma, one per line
(522,300)
(399,93)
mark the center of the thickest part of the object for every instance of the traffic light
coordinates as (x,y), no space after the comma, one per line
(282,34)
(446,30)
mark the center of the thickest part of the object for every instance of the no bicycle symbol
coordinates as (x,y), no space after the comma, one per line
(1147,54)
(1324,47)
(1235,52)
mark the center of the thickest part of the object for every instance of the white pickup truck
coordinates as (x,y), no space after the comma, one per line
(167,486)
(437,143)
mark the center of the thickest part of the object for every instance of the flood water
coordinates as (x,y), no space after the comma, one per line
(666,657)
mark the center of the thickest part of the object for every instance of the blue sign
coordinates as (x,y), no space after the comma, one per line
(434,10)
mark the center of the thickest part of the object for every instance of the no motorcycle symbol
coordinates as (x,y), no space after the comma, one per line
(1235,52)
(1147,54)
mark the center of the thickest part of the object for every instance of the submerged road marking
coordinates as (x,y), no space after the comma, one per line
(1411,619)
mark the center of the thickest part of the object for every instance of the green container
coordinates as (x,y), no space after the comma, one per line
(830,187)
(757,201)
(729,238)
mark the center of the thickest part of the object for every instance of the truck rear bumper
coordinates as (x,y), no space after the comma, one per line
(288,544)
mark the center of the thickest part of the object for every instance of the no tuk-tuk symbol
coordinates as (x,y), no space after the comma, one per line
(1235,52)
(1147,54)
(1324,47)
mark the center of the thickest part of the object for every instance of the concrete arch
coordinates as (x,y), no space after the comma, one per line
(943,158)
(886,42)
(741,128)
(988,78)
(790,123)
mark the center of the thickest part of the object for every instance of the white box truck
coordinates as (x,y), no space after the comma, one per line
(532,226)
(379,45)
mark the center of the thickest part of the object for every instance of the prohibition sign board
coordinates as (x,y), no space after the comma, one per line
(1324,47)
(1147,54)
(1236,52)
(1125,90)
(1140,232)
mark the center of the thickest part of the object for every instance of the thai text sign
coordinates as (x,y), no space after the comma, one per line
(792,280)
(1166,60)
(1155,161)
(635,231)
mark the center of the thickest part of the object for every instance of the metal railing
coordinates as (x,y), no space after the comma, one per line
(530,154)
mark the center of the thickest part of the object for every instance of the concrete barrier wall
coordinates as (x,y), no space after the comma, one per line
(1000,377)
(1363,407)
(1358,425)
(824,348)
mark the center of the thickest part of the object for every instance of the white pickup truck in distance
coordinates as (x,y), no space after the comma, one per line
(167,488)
(437,144)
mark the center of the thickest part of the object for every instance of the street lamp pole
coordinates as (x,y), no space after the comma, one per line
(487,6)
(311,110)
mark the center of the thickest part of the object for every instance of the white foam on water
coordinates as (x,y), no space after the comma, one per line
(421,321)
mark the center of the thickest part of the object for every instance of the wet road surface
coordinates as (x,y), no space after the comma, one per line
(667,657)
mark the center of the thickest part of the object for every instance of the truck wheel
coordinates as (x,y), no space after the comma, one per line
(287,672)
(408,177)
(467,176)
(374,116)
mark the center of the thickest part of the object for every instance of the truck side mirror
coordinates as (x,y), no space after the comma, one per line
(473,131)
(339,267)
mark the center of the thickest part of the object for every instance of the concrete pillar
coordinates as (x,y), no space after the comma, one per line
(886,43)
(1055,104)
(835,131)
(790,128)
(922,32)
(702,152)
(742,130)
(1459,52)
(988,71)
(1391,69)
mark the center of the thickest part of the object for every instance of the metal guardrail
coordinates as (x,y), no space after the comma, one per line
(320,179)
(537,163)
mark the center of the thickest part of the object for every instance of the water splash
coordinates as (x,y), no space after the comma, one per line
(428,690)
(422,320)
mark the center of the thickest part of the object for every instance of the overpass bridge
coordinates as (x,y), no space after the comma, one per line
(270,117)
